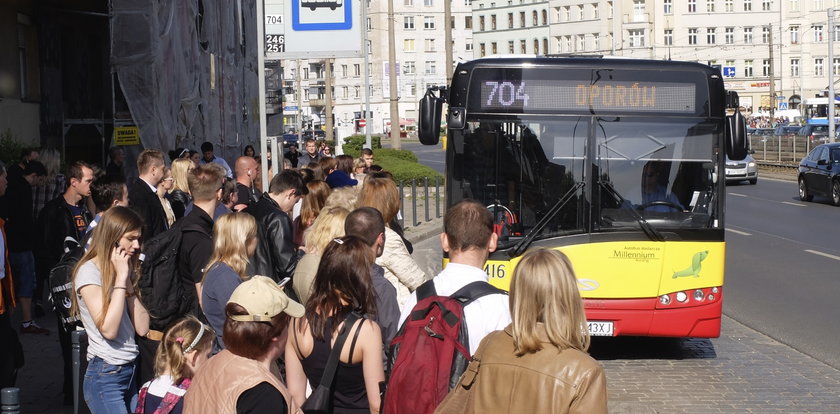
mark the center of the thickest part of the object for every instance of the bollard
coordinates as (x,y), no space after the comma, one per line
(426,195)
(414,202)
(402,205)
(437,197)
(10,400)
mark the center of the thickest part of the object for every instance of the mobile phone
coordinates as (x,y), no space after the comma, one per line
(284,281)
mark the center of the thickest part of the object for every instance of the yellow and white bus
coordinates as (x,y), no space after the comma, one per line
(618,163)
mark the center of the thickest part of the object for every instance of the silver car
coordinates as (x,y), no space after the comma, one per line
(745,169)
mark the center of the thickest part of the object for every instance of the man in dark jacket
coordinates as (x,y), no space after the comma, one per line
(142,193)
(62,218)
(275,255)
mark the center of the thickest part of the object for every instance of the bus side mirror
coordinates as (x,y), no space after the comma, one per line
(736,136)
(430,110)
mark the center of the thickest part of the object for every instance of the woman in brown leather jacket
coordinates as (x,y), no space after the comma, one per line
(538,364)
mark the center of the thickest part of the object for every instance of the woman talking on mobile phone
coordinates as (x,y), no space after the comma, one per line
(110,310)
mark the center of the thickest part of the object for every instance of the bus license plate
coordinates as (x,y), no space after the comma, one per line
(598,328)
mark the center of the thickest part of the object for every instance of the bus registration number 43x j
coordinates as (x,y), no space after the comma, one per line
(600,328)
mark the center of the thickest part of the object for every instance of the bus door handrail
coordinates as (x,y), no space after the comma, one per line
(529,238)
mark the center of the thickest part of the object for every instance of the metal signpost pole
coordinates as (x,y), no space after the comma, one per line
(830,105)
(261,87)
(366,117)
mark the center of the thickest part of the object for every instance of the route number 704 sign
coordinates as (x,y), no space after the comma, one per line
(275,43)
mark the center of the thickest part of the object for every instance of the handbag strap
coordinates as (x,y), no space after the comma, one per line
(332,363)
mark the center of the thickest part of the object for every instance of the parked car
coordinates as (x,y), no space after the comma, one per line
(819,173)
(745,169)
(814,133)
(786,130)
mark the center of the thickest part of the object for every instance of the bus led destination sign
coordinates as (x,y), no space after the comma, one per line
(541,95)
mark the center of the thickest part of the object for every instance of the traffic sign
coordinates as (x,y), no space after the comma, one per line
(783,106)
(729,71)
(362,123)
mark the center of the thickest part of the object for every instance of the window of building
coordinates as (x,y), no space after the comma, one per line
(836,33)
(710,35)
(818,67)
(567,46)
(747,5)
(567,15)
(730,62)
(794,67)
(729,35)
(729,5)
(305,73)
(766,5)
(692,36)
(523,46)
(595,10)
(343,71)
(510,20)
(610,10)
(836,66)
(408,2)
(493,22)
(494,48)
(468,22)
(482,50)
(692,6)
(429,3)
(544,15)
(408,22)
(637,37)
(638,10)
(429,22)
(357,70)
(411,89)
(818,5)
(545,45)
(748,68)
(345,92)
(669,37)
(408,45)
(596,41)
(480,23)
(710,6)
(668,6)
(794,5)
(357,92)
(794,34)
(818,32)
(431,67)
(581,43)
(765,34)
(535,18)
(511,49)
(522,19)
(765,67)
(536,46)
(409,68)
(748,35)
(429,45)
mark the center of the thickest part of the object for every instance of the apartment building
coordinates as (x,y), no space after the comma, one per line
(420,61)
(734,34)
(510,27)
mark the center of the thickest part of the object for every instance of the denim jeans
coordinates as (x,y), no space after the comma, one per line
(107,387)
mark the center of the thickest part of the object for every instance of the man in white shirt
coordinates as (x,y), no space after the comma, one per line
(468,237)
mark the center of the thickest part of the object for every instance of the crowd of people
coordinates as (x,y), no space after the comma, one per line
(264,282)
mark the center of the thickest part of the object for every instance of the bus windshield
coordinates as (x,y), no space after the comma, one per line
(622,173)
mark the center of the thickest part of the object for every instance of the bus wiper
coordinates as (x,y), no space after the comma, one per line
(528,239)
(652,233)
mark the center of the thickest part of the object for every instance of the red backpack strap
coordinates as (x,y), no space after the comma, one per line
(141,400)
(171,399)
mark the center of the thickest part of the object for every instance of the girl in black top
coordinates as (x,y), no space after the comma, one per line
(342,285)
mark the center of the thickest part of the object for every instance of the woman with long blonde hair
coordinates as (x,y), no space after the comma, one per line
(179,194)
(544,349)
(234,239)
(104,282)
(311,206)
(325,228)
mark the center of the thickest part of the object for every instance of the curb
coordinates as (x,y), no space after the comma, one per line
(424,231)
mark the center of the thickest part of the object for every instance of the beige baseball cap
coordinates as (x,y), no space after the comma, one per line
(263,299)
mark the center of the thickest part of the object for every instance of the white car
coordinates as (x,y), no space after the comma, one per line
(745,169)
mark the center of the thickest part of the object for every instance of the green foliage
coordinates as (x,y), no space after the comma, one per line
(405,170)
(353,144)
(10,148)
(392,153)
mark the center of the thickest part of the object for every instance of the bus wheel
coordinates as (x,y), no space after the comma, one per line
(804,195)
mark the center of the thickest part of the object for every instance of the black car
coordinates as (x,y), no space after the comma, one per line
(819,173)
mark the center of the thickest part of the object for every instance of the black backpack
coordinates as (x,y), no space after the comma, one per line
(159,286)
(61,282)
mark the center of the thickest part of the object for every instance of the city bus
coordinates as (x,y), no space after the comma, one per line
(816,111)
(618,163)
